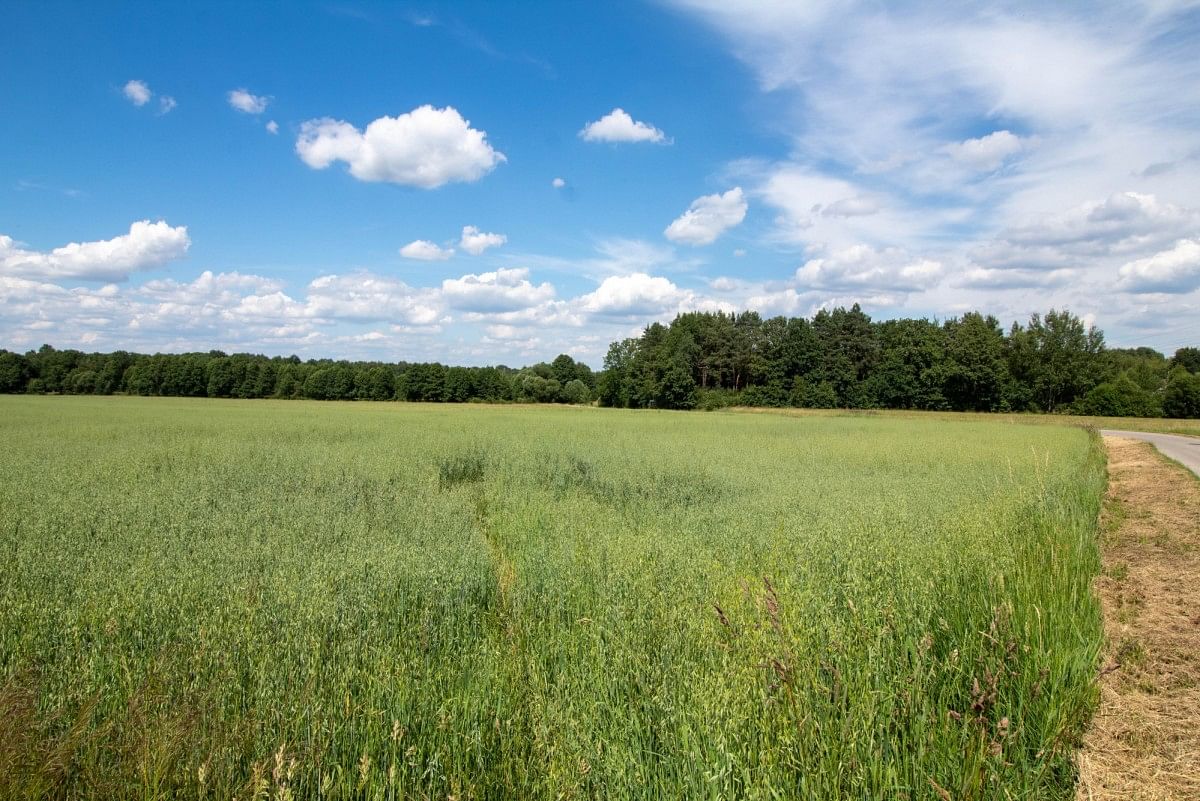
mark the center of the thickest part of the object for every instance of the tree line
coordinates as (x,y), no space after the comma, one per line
(241,375)
(839,358)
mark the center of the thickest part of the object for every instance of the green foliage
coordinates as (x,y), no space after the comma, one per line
(842,359)
(14,372)
(815,395)
(677,388)
(294,599)
(1182,395)
(838,359)
(1188,359)
(575,391)
(711,400)
(462,468)
(1120,398)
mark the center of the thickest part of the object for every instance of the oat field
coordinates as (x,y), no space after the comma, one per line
(257,599)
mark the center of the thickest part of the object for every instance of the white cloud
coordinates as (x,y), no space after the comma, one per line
(272,127)
(476,242)
(502,331)
(708,217)
(1020,278)
(862,267)
(558,183)
(618,126)
(208,286)
(857,206)
(787,301)
(987,153)
(822,211)
(426,147)
(635,294)
(424,250)
(366,296)
(1100,173)
(1171,271)
(137,92)
(499,291)
(1124,224)
(244,101)
(147,246)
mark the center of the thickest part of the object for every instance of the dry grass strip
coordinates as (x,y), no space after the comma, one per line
(1144,742)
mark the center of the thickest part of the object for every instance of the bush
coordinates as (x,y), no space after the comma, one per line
(773,394)
(1120,398)
(1182,396)
(819,395)
(712,399)
(575,391)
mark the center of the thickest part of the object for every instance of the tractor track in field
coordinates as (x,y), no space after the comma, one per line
(1144,741)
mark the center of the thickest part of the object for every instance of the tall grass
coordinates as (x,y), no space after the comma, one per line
(299,600)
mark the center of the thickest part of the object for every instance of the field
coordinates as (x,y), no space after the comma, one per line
(1158,425)
(203,599)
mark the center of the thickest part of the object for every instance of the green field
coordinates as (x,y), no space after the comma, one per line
(1159,425)
(203,599)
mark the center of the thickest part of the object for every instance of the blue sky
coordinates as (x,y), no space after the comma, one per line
(501,182)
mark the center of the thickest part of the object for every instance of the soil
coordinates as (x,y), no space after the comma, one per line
(1144,742)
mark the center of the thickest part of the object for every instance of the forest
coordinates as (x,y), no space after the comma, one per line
(839,358)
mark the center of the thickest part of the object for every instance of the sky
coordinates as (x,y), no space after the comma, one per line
(501,182)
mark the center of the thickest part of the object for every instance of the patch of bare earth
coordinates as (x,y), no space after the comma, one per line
(1144,742)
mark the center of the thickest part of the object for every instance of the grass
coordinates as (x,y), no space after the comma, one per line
(1143,739)
(1157,425)
(208,599)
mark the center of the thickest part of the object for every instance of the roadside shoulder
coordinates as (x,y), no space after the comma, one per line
(1144,741)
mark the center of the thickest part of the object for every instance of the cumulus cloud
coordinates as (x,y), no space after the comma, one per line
(424,250)
(987,153)
(502,331)
(272,127)
(558,183)
(634,294)
(1124,224)
(862,267)
(137,92)
(147,246)
(366,296)
(708,217)
(331,315)
(208,286)
(618,126)
(993,278)
(426,147)
(1096,92)
(499,291)
(242,100)
(1123,220)
(475,241)
(1171,271)
(830,212)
